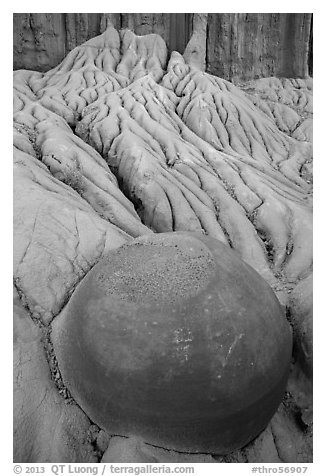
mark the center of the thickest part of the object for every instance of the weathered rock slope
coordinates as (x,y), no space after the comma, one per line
(123,139)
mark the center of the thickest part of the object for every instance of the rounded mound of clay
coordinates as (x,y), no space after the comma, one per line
(174,339)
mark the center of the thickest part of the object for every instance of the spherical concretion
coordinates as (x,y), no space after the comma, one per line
(173,338)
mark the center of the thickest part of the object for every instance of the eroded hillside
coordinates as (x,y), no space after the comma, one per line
(120,140)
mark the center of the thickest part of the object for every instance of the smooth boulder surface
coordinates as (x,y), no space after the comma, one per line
(174,339)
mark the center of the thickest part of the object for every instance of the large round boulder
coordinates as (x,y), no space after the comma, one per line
(174,339)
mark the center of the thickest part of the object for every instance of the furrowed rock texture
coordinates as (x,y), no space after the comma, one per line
(234,46)
(122,139)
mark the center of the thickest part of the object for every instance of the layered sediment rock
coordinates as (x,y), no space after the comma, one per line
(234,46)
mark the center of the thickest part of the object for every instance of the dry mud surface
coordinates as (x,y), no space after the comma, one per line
(120,140)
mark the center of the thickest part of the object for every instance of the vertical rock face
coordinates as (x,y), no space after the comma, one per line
(39,40)
(195,52)
(252,45)
(237,46)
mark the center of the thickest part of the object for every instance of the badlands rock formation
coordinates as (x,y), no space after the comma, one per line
(235,46)
(121,140)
